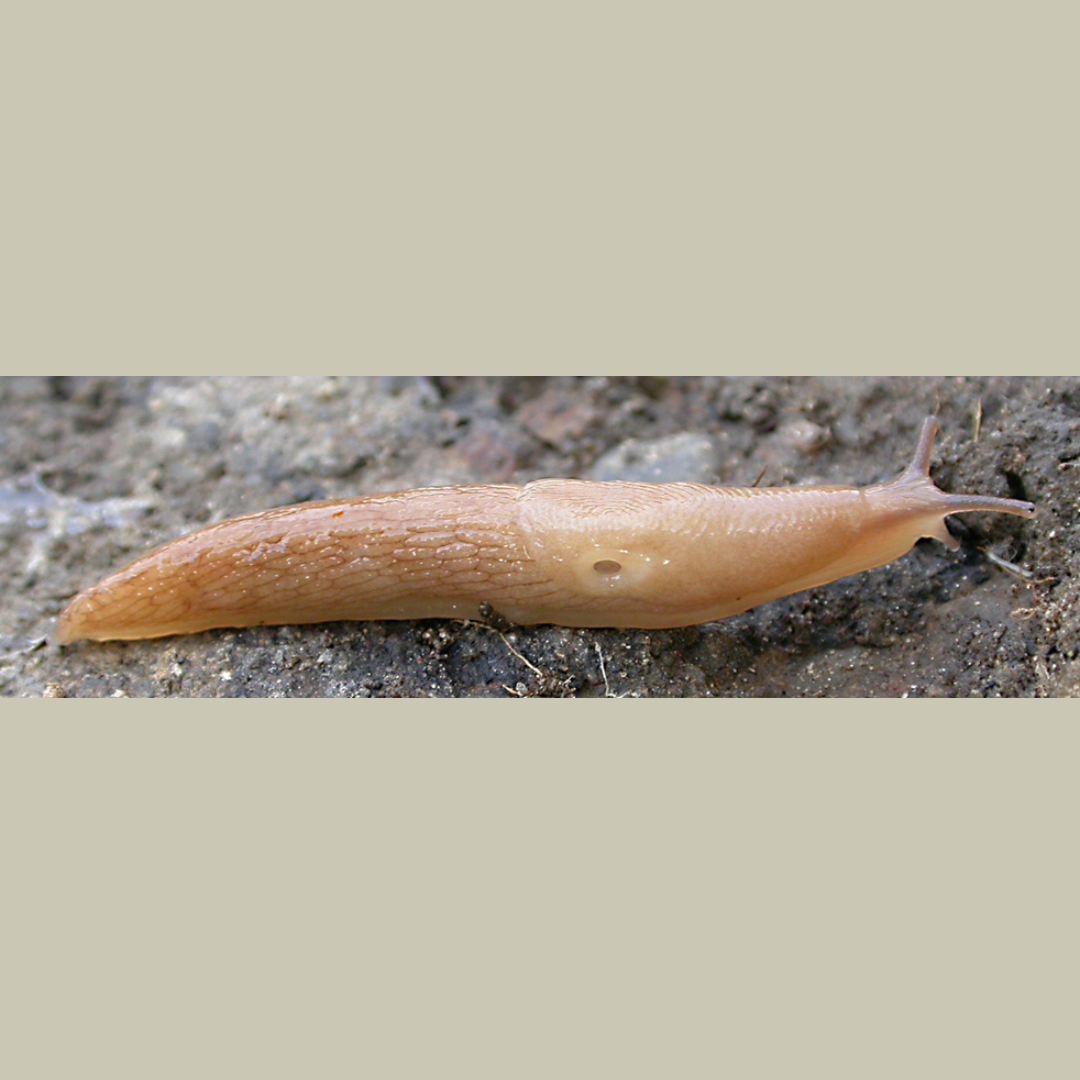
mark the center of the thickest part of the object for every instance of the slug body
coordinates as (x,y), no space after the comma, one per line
(566,552)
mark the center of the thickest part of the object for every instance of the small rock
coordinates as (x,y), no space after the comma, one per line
(687,457)
(553,418)
(804,436)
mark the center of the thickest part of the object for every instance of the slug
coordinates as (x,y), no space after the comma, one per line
(566,552)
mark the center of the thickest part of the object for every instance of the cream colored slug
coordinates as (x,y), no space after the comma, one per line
(567,552)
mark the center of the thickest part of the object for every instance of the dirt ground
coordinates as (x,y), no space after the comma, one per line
(95,470)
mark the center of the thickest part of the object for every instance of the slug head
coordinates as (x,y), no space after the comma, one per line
(914,497)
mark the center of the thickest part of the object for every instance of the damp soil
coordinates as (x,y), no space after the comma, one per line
(95,470)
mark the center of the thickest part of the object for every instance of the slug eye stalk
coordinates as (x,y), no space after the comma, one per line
(918,473)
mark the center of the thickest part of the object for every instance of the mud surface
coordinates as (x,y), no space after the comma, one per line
(96,470)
